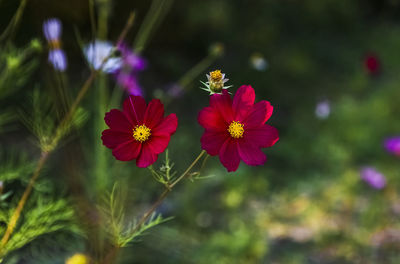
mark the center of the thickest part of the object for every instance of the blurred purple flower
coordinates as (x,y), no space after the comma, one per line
(129,83)
(373,177)
(52,29)
(323,109)
(126,76)
(58,59)
(97,51)
(175,90)
(131,59)
(392,145)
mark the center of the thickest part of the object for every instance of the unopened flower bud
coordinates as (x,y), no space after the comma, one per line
(215,82)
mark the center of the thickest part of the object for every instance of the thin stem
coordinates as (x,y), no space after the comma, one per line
(165,193)
(196,70)
(92,18)
(112,254)
(157,12)
(14,21)
(183,175)
(151,210)
(203,164)
(192,74)
(58,134)
(14,219)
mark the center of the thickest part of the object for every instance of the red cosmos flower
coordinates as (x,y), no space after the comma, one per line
(138,131)
(236,130)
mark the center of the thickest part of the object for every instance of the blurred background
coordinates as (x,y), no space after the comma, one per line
(329,190)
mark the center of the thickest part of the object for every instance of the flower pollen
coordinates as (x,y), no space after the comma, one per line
(216,75)
(141,133)
(236,129)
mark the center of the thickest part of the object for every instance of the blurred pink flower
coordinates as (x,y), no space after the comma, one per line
(373,178)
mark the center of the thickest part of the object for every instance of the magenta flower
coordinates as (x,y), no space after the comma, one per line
(236,130)
(139,131)
(392,145)
(373,178)
(52,31)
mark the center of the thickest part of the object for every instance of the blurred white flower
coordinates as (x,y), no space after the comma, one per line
(97,51)
(258,62)
(323,109)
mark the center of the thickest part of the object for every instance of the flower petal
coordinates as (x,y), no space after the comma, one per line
(212,141)
(112,138)
(210,119)
(250,153)
(116,120)
(167,126)
(265,136)
(222,103)
(260,113)
(146,157)
(127,151)
(134,108)
(159,143)
(243,101)
(229,155)
(154,113)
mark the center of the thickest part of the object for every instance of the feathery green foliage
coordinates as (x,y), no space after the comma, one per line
(43,120)
(14,166)
(16,67)
(46,217)
(119,227)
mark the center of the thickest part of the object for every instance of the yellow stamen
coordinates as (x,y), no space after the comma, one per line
(236,129)
(141,133)
(216,75)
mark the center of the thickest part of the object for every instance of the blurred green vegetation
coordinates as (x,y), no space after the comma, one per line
(307,204)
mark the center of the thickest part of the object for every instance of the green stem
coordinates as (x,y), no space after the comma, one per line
(14,21)
(157,12)
(192,74)
(183,175)
(165,193)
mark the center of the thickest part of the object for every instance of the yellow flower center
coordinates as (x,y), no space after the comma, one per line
(216,76)
(236,129)
(78,259)
(141,133)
